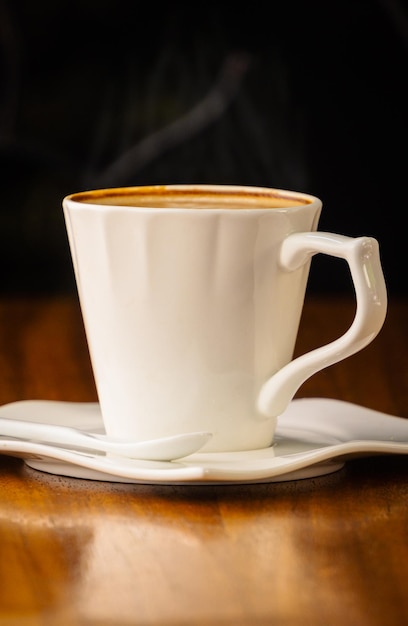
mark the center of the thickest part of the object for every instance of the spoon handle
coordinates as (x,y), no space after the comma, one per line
(164,449)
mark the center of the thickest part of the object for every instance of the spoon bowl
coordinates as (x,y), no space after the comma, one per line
(162,449)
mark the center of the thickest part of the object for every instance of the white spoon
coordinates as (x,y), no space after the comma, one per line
(163,449)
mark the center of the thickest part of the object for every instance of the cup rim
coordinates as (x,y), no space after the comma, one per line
(241,197)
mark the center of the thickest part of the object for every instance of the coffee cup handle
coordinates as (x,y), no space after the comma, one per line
(363,258)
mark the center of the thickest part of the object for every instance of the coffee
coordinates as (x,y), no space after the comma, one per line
(193,197)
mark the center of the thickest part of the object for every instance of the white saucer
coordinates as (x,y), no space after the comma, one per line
(313,438)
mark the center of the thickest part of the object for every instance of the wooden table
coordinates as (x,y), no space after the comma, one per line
(326,551)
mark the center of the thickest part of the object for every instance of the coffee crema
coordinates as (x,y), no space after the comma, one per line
(193,197)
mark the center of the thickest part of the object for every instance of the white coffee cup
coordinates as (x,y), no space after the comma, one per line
(191,297)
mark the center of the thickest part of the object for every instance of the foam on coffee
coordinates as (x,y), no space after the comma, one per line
(192,197)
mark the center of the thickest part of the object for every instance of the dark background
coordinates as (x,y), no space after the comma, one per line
(309,96)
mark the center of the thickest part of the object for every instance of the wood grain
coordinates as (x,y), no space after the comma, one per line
(331,550)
